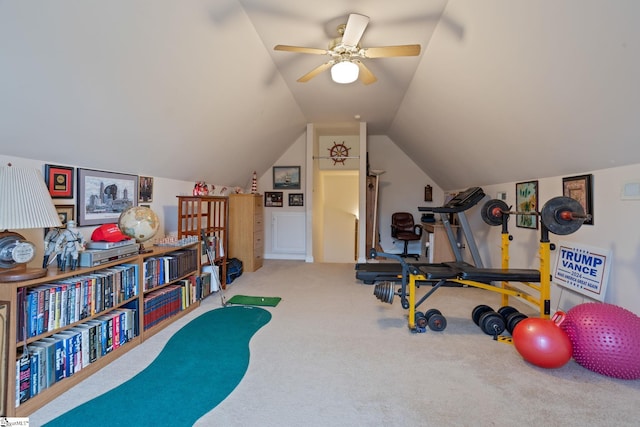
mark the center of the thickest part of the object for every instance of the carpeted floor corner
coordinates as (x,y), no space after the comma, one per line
(197,369)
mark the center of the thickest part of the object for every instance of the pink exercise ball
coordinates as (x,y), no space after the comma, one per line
(605,338)
(541,342)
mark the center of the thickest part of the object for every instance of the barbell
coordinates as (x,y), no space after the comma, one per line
(561,215)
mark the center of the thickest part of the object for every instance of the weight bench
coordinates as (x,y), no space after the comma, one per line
(487,275)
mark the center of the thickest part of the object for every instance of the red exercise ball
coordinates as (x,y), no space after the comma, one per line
(542,342)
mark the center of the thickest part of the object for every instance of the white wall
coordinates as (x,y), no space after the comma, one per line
(294,156)
(164,203)
(401,188)
(615,228)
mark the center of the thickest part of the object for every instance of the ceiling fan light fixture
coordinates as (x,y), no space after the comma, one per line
(345,72)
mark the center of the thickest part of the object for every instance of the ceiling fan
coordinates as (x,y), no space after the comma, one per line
(347,55)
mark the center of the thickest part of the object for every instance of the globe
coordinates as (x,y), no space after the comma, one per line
(140,223)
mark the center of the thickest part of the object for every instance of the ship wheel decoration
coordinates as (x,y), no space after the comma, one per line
(339,152)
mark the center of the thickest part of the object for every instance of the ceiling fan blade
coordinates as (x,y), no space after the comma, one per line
(366,76)
(356,25)
(311,74)
(389,51)
(298,49)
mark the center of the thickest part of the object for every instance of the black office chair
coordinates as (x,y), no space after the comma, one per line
(403,228)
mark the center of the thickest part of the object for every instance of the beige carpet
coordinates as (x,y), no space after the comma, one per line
(343,358)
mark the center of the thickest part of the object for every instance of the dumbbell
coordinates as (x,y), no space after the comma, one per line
(433,318)
(511,316)
(420,321)
(436,321)
(489,321)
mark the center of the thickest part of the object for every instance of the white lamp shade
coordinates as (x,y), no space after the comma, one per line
(345,72)
(25,201)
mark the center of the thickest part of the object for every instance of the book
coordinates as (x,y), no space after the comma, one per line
(60,357)
(23,379)
(39,378)
(83,330)
(49,348)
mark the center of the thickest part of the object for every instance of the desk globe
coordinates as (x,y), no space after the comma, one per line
(140,223)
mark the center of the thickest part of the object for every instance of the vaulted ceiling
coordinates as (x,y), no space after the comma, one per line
(503,90)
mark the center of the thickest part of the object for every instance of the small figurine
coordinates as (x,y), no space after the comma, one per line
(50,246)
(254,183)
(69,244)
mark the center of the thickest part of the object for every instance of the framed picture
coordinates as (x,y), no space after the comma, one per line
(580,188)
(273,199)
(59,180)
(296,199)
(428,193)
(66,214)
(286,177)
(145,190)
(527,201)
(103,196)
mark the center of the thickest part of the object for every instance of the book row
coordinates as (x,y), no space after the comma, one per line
(163,303)
(166,269)
(49,360)
(57,304)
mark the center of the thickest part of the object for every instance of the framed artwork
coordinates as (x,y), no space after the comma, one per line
(580,188)
(527,201)
(428,193)
(273,199)
(145,190)
(296,199)
(103,196)
(66,214)
(286,177)
(59,180)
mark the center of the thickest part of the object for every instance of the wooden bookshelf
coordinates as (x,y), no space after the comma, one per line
(9,293)
(211,215)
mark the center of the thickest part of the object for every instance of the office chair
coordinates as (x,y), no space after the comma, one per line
(403,228)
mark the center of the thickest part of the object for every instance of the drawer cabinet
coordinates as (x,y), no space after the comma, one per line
(246,230)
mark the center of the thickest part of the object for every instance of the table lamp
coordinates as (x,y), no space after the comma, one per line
(25,203)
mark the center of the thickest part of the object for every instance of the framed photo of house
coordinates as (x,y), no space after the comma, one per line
(145,190)
(59,180)
(580,188)
(286,177)
(527,201)
(103,196)
(273,199)
(296,199)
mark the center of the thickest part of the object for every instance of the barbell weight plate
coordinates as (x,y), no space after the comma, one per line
(552,215)
(492,212)
(506,310)
(437,322)
(420,320)
(478,311)
(492,323)
(513,320)
(384,291)
(431,312)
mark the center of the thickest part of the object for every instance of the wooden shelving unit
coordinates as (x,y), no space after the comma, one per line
(211,214)
(9,294)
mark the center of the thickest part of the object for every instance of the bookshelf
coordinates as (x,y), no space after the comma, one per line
(211,214)
(127,297)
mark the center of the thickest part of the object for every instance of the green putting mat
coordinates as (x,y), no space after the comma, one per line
(247,300)
(198,368)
